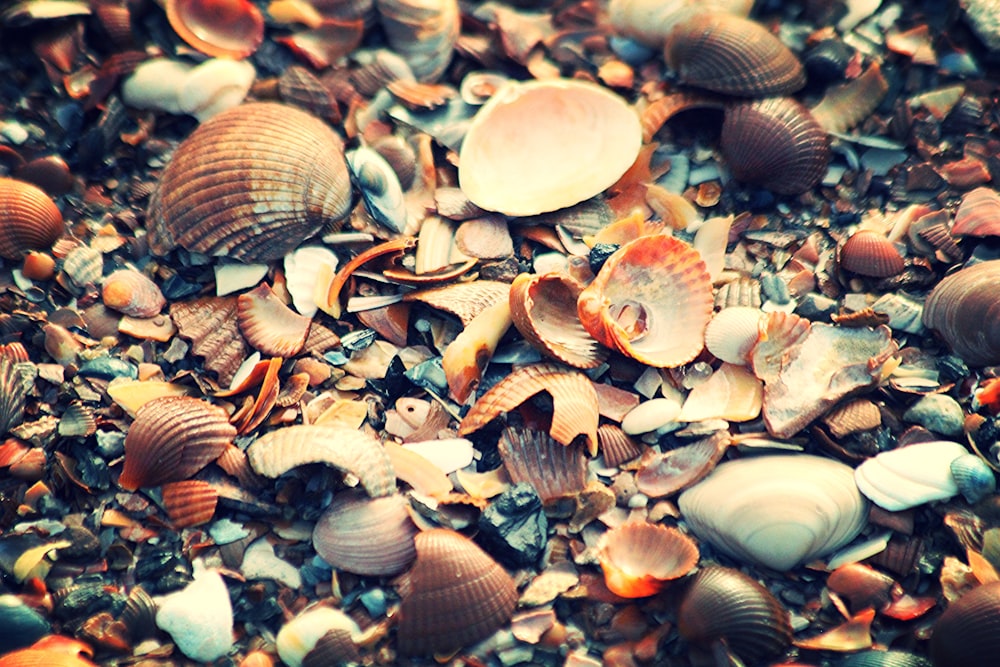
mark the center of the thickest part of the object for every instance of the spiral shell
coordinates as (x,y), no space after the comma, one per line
(251,183)
(132,293)
(422,31)
(964,311)
(29,219)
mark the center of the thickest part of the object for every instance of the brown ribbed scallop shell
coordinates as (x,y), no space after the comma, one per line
(190,503)
(554,471)
(774,143)
(463,300)
(724,604)
(616,446)
(968,633)
(734,55)
(454,595)
(251,183)
(964,310)
(132,293)
(29,219)
(269,325)
(868,253)
(369,536)
(15,383)
(171,439)
(638,559)
(210,324)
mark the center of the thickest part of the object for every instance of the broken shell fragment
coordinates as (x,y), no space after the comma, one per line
(368,536)
(553,470)
(308,272)
(422,31)
(909,476)
(963,309)
(467,356)
(269,325)
(868,253)
(211,326)
(978,214)
(965,634)
(638,559)
(221,28)
(302,634)
(16,381)
(189,503)
(132,293)
(651,21)
(30,219)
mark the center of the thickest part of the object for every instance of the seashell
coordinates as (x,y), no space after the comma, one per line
(466,357)
(171,439)
(650,22)
(531,456)
(732,333)
(199,617)
(479,86)
(890,658)
(15,383)
(379,187)
(156,84)
(453,596)
(779,511)
(628,307)
(962,310)
(422,31)
(973,477)
(280,171)
(257,659)
(732,393)
(827,60)
(379,69)
(543,309)
(463,300)
(540,146)
(214,86)
(868,253)
(308,271)
(210,324)
(189,503)
(299,86)
(846,105)
(862,585)
(853,417)
(301,635)
(667,473)
(30,219)
(909,476)
(724,604)
(21,625)
(725,53)
(368,536)
(978,214)
(221,28)
(132,293)
(413,469)
(84,266)
(269,325)
(78,421)
(616,446)
(774,143)
(401,157)
(277,452)
(966,635)
(639,558)
(36,657)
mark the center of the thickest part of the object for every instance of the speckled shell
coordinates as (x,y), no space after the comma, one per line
(909,476)
(454,595)
(868,253)
(422,31)
(964,311)
(550,468)
(369,536)
(639,558)
(774,143)
(132,293)
(251,183)
(968,633)
(730,54)
(978,214)
(29,219)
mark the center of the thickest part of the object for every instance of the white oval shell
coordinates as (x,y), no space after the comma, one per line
(650,415)
(733,332)
(910,476)
(650,21)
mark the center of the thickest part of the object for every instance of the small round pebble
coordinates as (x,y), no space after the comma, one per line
(939,413)
(650,415)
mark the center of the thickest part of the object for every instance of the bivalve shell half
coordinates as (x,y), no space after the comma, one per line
(868,253)
(221,28)
(210,324)
(29,219)
(301,635)
(454,595)
(964,310)
(540,146)
(368,536)
(638,559)
(732,333)
(973,477)
(16,380)
(424,32)
(968,633)
(978,214)
(554,471)
(190,503)
(132,293)
(250,183)
(909,476)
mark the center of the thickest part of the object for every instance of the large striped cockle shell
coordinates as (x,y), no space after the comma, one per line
(777,511)
(540,146)
(964,311)
(29,219)
(909,476)
(251,183)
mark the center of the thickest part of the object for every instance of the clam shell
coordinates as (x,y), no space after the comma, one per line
(554,471)
(251,183)
(651,301)
(638,559)
(29,219)
(224,28)
(84,266)
(968,632)
(777,511)
(868,253)
(463,300)
(730,54)
(978,214)
(211,326)
(732,393)
(544,145)
(269,325)
(189,503)
(774,143)
(973,477)
(724,604)
(853,417)
(302,634)
(171,439)
(964,310)
(368,536)
(454,595)
(132,293)
(422,31)
(15,383)
(732,333)
(299,86)
(910,476)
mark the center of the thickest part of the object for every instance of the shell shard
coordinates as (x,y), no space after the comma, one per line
(554,471)
(210,323)
(29,219)
(909,476)
(269,325)
(978,214)
(16,380)
(189,503)
(422,31)
(964,311)
(966,633)
(368,536)
(638,559)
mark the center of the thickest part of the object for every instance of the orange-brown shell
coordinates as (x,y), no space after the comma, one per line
(868,253)
(966,633)
(454,595)
(964,310)
(220,28)
(616,446)
(251,183)
(15,384)
(132,293)
(210,324)
(774,143)
(639,558)
(269,325)
(171,439)
(369,536)
(534,457)
(189,503)
(29,219)
(730,54)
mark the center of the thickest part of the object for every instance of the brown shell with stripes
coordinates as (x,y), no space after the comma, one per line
(29,219)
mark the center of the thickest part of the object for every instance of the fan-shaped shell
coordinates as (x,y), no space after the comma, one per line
(463,300)
(29,219)
(422,31)
(968,633)
(651,301)
(171,439)
(778,511)
(973,477)
(909,476)
(730,54)
(269,325)
(891,658)
(616,446)
(221,28)
(868,253)
(132,293)
(774,143)
(724,604)
(36,657)
(540,146)
(639,558)
(190,503)
(454,595)
(732,333)
(550,468)
(369,536)
(250,183)
(964,310)
(15,383)
(978,214)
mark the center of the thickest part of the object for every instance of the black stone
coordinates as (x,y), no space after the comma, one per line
(600,253)
(513,528)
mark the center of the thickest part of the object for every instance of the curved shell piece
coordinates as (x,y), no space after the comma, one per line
(422,31)
(269,325)
(189,503)
(308,272)
(221,28)
(732,333)
(277,452)
(730,54)
(171,439)
(454,595)
(973,477)
(463,300)
(540,146)
(210,324)
(978,214)
(250,183)
(868,253)
(909,476)
(16,380)
(651,301)
(29,219)
(617,447)
(530,456)
(778,511)
(638,559)
(651,21)
(891,658)
(774,143)
(723,603)
(379,186)
(964,310)
(369,536)
(132,293)
(302,634)
(966,634)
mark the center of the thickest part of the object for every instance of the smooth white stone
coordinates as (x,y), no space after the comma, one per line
(260,562)
(910,476)
(199,618)
(650,415)
(156,84)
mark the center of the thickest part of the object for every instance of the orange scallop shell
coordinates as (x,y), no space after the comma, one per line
(220,28)
(132,293)
(868,253)
(29,219)
(453,596)
(463,300)
(189,503)
(269,325)
(638,559)
(251,183)
(369,536)
(617,447)
(554,471)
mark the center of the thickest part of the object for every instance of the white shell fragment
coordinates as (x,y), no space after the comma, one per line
(231,278)
(260,562)
(650,415)
(778,511)
(449,454)
(733,393)
(910,476)
(308,274)
(299,636)
(199,618)
(177,87)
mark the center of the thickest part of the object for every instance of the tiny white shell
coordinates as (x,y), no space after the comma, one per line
(732,333)
(300,635)
(199,617)
(910,476)
(308,271)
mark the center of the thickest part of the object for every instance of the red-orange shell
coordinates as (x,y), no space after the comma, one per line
(868,253)
(29,219)
(132,293)
(369,536)
(638,559)
(190,503)
(220,28)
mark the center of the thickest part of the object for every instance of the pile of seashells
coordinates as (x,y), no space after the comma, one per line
(583,333)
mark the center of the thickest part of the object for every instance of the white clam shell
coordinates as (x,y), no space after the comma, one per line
(777,511)
(910,476)
(732,333)
(308,271)
(650,415)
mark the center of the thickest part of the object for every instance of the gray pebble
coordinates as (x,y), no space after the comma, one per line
(939,413)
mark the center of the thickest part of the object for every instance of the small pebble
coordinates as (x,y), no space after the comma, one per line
(199,618)
(638,501)
(651,415)
(816,307)
(513,527)
(939,413)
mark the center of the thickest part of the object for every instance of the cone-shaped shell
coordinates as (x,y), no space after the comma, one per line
(171,439)
(651,300)
(550,468)
(730,54)
(868,253)
(369,536)
(968,633)
(190,503)
(221,28)
(978,214)
(724,604)
(639,558)
(29,219)
(269,325)
(774,143)
(454,595)
(964,310)
(544,145)
(250,183)
(132,293)
(777,511)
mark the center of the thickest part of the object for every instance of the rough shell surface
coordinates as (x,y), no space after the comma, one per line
(732,333)
(978,214)
(251,183)
(973,477)
(15,383)
(551,468)
(868,253)
(964,311)
(639,558)
(30,219)
(369,536)
(966,634)
(909,476)
(132,293)
(189,503)
(210,324)
(777,511)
